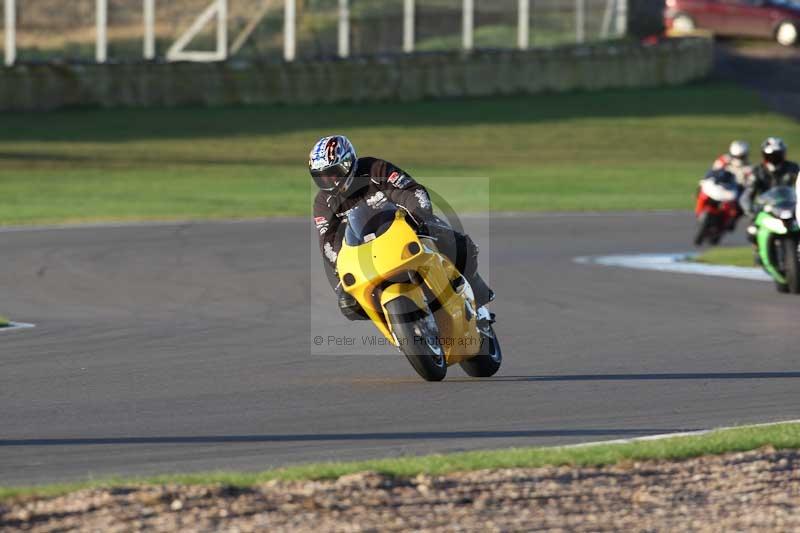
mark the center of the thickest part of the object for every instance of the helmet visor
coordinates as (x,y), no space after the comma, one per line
(329,178)
(776,158)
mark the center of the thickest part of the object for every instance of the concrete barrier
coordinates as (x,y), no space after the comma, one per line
(399,78)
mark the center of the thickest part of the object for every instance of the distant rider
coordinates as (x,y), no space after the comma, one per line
(774,171)
(737,162)
(345,180)
(708,199)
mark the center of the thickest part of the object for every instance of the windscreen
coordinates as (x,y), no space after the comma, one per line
(779,198)
(365,223)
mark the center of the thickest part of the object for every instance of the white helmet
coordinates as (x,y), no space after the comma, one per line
(739,150)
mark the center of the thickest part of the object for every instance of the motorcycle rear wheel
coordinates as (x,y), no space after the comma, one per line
(707,229)
(488,361)
(418,335)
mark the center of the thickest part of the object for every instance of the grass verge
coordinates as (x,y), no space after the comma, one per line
(4,323)
(779,436)
(741,256)
(609,150)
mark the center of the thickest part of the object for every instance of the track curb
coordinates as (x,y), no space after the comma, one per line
(679,434)
(674,263)
(14,326)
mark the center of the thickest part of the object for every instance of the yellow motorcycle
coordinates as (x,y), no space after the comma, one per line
(414,294)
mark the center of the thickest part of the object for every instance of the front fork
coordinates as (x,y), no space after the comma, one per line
(765,240)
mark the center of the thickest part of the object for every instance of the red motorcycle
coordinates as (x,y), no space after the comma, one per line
(717,208)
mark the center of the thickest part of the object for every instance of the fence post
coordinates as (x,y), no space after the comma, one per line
(408,26)
(580,21)
(344,28)
(608,12)
(622,18)
(524,24)
(222,30)
(289,45)
(149,29)
(468,24)
(101,45)
(10,32)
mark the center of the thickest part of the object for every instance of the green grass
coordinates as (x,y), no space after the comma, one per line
(3,322)
(732,256)
(780,436)
(613,150)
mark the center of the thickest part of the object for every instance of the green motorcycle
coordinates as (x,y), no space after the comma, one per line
(778,237)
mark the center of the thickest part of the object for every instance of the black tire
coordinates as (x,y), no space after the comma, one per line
(413,329)
(791,265)
(776,252)
(705,226)
(488,361)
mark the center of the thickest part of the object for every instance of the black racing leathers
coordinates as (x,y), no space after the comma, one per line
(376,181)
(765,179)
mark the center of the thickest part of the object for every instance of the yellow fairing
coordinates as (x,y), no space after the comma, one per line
(377,268)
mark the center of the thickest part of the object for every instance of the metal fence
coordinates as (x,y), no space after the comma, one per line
(214,30)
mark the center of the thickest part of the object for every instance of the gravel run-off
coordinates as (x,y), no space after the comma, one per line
(757,490)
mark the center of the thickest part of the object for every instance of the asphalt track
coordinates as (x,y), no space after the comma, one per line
(184,347)
(773,71)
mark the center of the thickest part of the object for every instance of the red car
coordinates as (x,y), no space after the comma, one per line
(773,19)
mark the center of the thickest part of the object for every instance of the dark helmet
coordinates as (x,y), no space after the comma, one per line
(774,151)
(332,164)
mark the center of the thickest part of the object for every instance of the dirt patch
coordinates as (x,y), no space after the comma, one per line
(746,491)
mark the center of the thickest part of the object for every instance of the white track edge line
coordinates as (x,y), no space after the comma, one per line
(14,326)
(664,436)
(674,263)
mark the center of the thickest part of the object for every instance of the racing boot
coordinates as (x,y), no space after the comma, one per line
(751,234)
(485,320)
(751,238)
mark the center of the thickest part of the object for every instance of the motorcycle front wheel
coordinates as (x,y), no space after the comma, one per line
(418,335)
(791,261)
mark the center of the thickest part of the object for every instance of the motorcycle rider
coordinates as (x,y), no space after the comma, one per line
(345,180)
(774,171)
(737,162)
(708,198)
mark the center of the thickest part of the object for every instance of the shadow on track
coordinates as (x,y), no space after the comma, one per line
(420,435)
(700,376)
